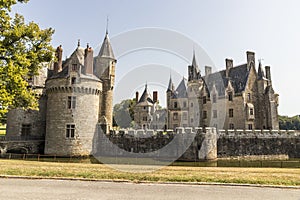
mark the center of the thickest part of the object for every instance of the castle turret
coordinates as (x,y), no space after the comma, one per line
(105,70)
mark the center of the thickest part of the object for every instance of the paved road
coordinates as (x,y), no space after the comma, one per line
(62,189)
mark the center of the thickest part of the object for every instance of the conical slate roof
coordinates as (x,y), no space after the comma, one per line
(171,86)
(146,97)
(106,49)
(260,72)
(194,64)
(181,91)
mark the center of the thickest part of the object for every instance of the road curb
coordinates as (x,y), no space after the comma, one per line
(149,182)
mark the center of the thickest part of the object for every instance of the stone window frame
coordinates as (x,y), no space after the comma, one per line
(175,116)
(214,98)
(184,104)
(230,96)
(70,130)
(251,111)
(250,126)
(231,126)
(204,114)
(175,104)
(230,112)
(26,130)
(71,102)
(204,101)
(184,115)
(215,113)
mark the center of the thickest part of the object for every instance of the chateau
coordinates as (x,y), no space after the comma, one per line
(75,113)
(239,97)
(76,96)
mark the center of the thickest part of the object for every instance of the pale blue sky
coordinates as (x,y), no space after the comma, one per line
(271,28)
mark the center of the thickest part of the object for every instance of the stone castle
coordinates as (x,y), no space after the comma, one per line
(239,97)
(76,111)
(76,96)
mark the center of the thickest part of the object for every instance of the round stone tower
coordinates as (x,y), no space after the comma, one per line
(73,106)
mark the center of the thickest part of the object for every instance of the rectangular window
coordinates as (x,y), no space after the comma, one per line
(144,118)
(249,96)
(204,100)
(231,112)
(215,113)
(175,116)
(184,104)
(74,67)
(204,114)
(70,131)
(175,104)
(192,104)
(214,98)
(73,80)
(184,116)
(192,120)
(250,127)
(26,130)
(231,126)
(251,111)
(71,102)
(230,96)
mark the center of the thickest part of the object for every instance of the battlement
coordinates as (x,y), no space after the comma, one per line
(72,89)
(144,133)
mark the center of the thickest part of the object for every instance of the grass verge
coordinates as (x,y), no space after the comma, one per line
(266,176)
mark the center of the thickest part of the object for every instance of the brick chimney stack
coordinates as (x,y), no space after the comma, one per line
(155,96)
(58,63)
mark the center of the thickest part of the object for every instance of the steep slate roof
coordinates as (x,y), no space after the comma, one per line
(106,49)
(170,86)
(260,73)
(181,91)
(77,55)
(237,75)
(145,98)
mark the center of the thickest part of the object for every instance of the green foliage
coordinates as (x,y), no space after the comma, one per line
(23,47)
(289,123)
(124,113)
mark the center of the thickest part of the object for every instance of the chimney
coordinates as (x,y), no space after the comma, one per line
(88,60)
(207,70)
(250,59)
(229,65)
(155,96)
(137,97)
(58,63)
(268,72)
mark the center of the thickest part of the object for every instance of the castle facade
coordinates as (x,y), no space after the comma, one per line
(75,97)
(239,97)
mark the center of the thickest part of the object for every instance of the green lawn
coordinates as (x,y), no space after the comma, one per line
(268,176)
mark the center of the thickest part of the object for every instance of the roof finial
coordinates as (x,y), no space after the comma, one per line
(107,25)
(78,44)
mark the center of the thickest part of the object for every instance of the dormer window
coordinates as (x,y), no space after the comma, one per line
(73,80)
(230,96)
(74,67)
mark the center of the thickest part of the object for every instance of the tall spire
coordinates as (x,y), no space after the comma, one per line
(194,62)
(107,25)
(260,73)
(171,85)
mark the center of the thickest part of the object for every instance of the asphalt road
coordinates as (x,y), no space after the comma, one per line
(64,189)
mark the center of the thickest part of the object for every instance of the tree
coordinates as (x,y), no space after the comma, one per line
(289,123)
(23,47)
(124,113)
